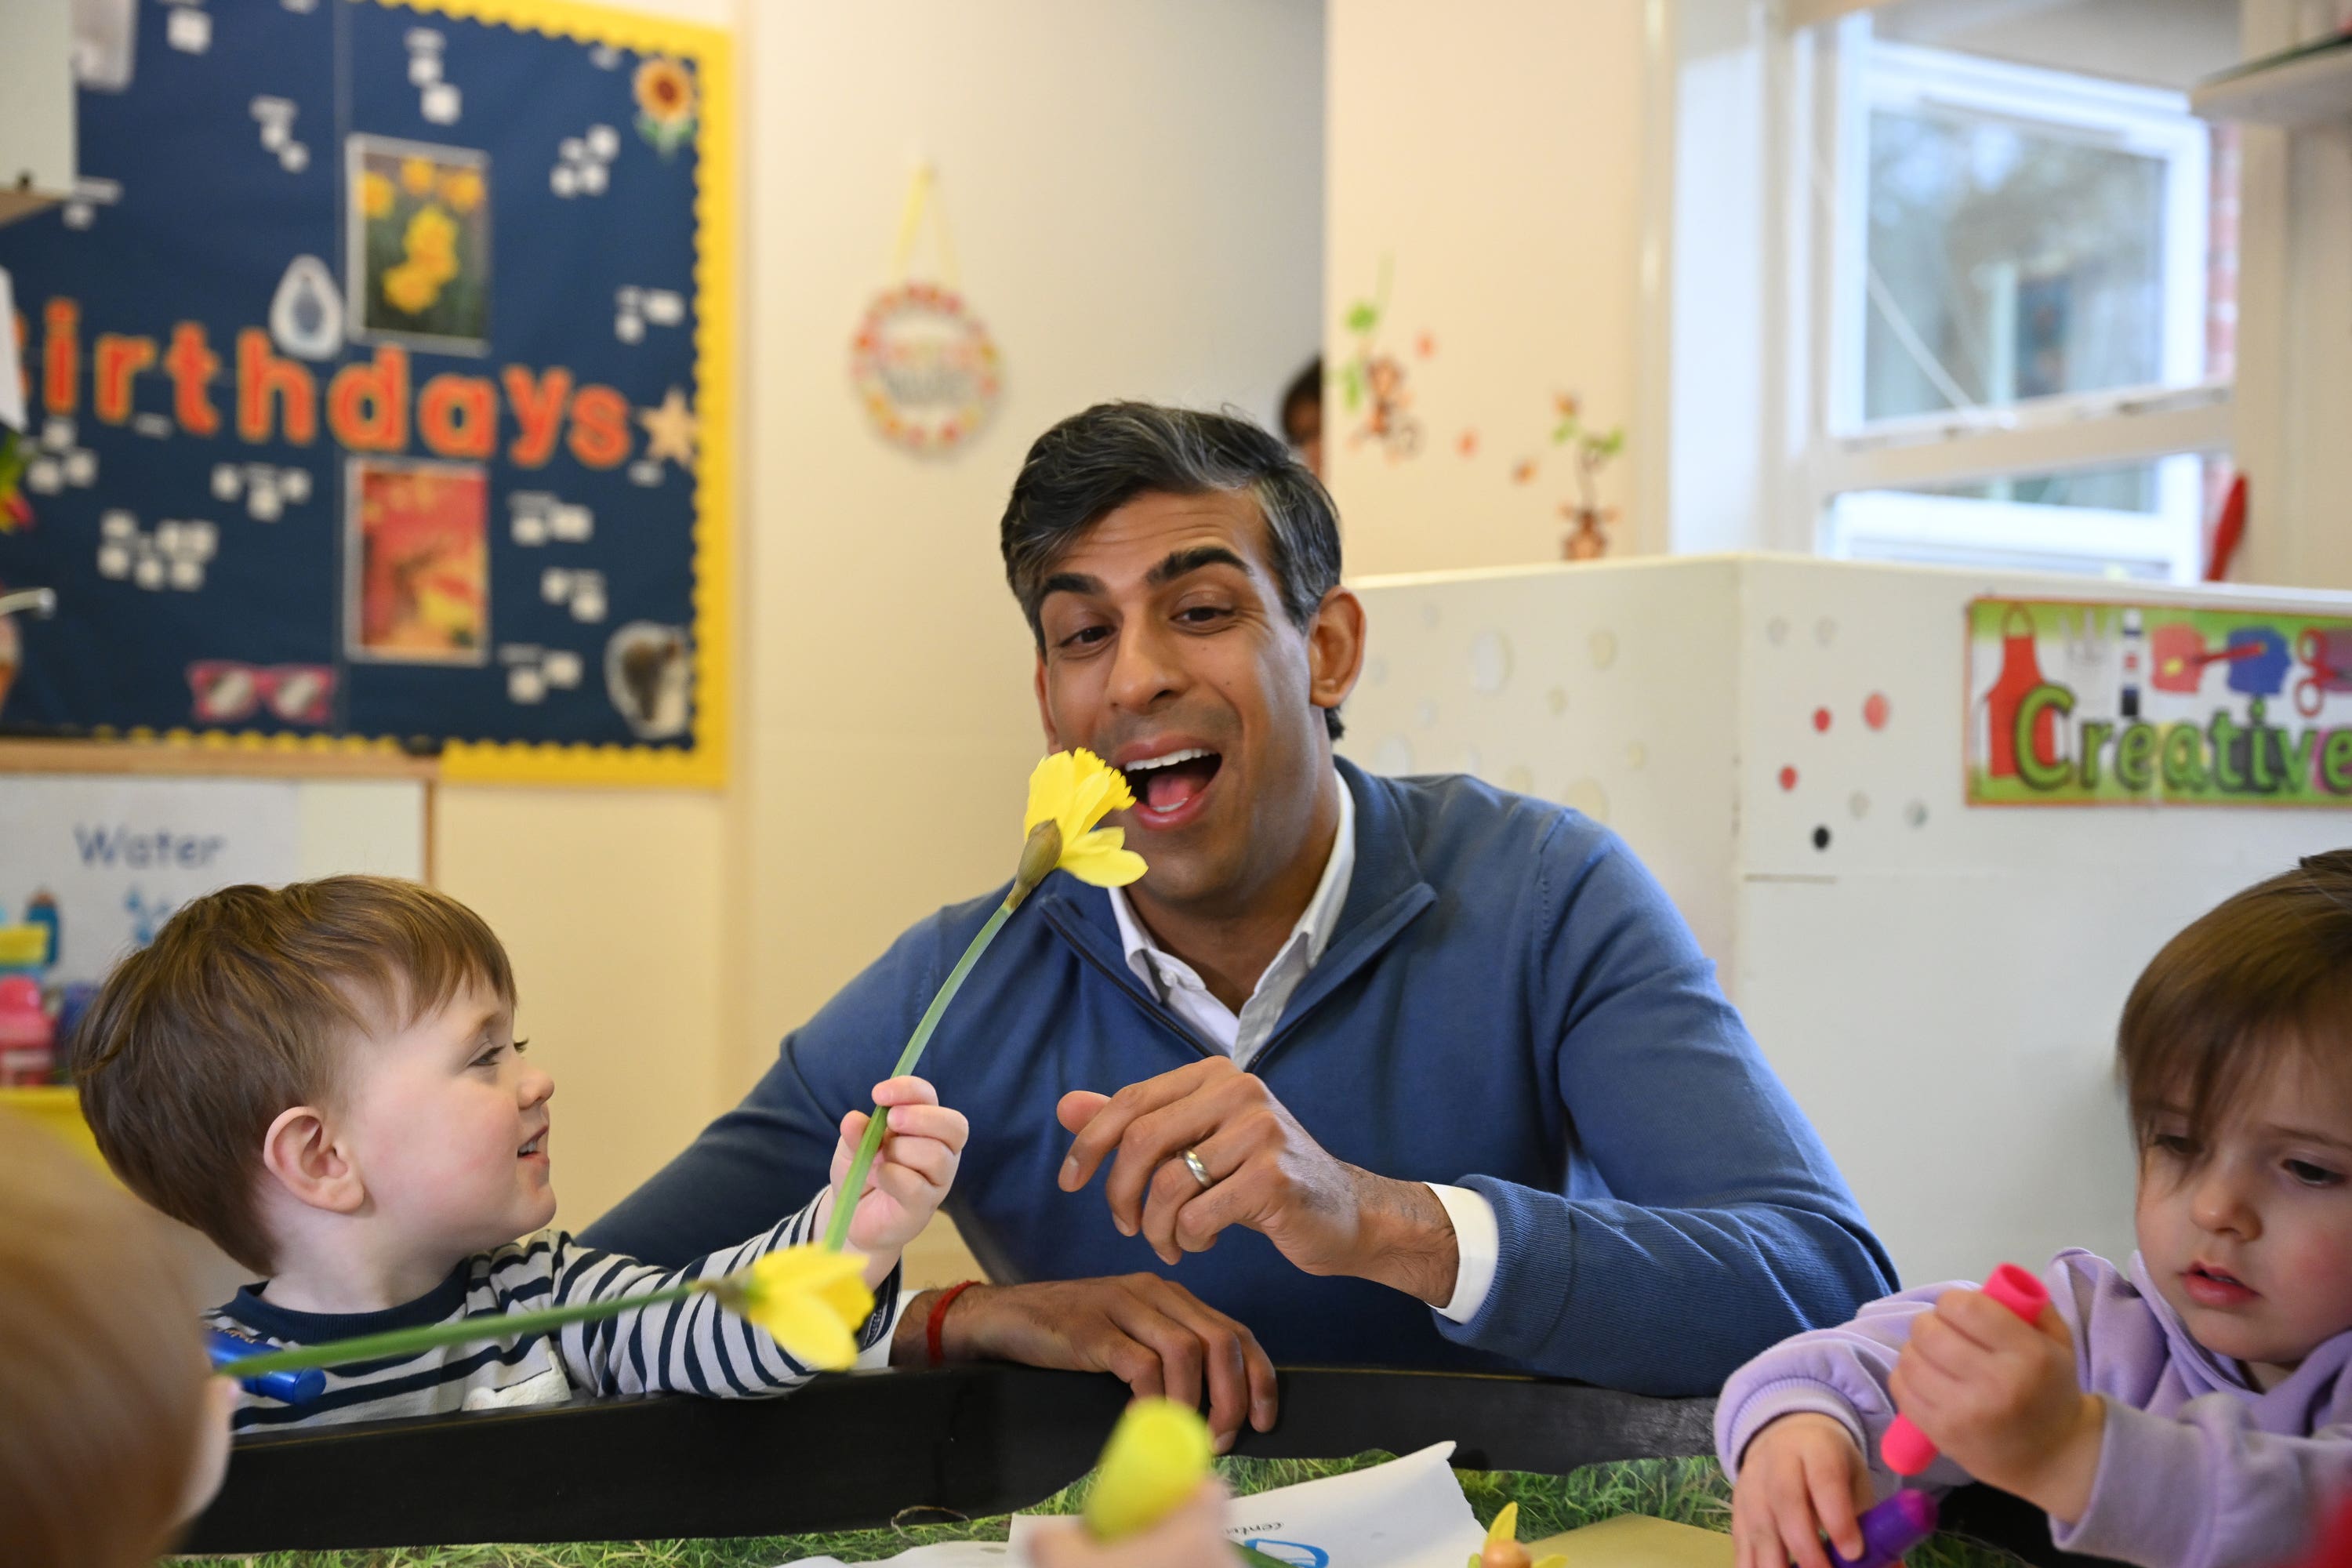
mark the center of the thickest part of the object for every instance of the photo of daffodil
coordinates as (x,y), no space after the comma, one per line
(419,262)
(416,550)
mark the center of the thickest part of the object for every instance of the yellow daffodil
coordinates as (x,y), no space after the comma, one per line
(462,189)
(1503,1549)
(410,288)
(417,176)
(811,1297)
(432,239)
(1069,792)
(1074,791)
(376,194)
(1158,1456)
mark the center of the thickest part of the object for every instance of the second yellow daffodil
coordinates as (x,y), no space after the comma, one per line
(1075,791)
(812,1299)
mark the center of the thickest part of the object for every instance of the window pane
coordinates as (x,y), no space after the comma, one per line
(2132,488)
(2026,262)
(2137,521)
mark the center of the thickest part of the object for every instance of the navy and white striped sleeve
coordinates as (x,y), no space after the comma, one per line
(694,1346)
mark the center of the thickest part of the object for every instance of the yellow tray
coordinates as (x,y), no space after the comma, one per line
(58,1110)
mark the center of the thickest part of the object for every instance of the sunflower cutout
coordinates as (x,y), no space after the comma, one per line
(666,103)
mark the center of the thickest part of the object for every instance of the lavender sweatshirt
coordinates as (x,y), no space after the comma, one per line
(2198,1468)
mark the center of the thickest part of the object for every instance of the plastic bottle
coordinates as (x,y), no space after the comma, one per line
(27,1040)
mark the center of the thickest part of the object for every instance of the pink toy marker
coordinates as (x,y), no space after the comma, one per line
(1905,1449)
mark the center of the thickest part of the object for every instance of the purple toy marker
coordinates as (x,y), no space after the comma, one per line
(1890,1530)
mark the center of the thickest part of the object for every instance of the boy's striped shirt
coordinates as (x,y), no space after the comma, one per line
(694,1346)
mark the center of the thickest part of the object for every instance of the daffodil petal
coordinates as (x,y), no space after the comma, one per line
(1051,783)
(1506,1526)
(1088,802)
(1103,865)
(810,1330)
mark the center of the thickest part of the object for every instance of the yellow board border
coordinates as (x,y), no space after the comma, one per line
(702,764)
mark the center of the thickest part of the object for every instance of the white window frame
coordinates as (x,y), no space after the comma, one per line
(1844,493)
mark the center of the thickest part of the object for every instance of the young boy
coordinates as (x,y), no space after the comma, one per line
(324,1079)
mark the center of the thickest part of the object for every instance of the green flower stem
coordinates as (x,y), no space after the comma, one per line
(432,1336)
(853,1185)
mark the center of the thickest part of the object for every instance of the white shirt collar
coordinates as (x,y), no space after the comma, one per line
(1316,924)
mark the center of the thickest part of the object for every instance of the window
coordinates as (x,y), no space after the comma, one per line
(2019,293)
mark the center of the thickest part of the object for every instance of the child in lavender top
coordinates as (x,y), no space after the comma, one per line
(2189,1411)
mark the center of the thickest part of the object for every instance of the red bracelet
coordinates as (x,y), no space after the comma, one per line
(938,1320)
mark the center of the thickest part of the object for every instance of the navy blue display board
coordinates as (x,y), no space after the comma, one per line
(371,378)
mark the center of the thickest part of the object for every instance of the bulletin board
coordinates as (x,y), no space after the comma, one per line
(377,380)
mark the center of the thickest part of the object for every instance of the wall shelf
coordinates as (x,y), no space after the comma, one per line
(2306,86)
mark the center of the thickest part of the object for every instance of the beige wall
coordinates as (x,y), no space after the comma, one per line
(1495,155)
(1135,199)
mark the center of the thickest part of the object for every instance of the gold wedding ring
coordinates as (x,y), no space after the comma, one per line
(1200,1171)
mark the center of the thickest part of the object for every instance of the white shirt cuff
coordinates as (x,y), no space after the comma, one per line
(1478,1243)
(879,1352)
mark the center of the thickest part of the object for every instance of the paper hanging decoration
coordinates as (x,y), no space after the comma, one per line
(923,366)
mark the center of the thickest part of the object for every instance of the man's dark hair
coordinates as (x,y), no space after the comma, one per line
(1091,463)
(1306,387)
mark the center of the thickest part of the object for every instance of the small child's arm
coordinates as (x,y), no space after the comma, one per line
(2204,1489)
(1840,1373)
(694,1346)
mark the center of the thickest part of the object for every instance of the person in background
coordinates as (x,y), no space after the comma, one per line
(2188,1411)
(112,1433)
(1302,416)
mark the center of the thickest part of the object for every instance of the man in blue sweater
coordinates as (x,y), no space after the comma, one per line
(1437,1070)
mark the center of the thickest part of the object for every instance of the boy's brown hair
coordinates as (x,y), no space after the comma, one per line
(102,1366)
(2266,973)
(243,1006)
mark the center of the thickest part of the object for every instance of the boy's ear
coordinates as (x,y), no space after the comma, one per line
(300,1154)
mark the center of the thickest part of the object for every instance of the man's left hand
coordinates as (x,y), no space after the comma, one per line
(1266,1173)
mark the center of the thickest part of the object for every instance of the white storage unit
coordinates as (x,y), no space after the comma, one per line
(1937,984)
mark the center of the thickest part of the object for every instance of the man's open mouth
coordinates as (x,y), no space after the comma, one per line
(1167,783)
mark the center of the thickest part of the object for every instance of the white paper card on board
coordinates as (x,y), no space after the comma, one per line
(118,856)
(11,383)
(1407,1513)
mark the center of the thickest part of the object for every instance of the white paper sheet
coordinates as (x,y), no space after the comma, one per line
(1407,1513)
(12,388)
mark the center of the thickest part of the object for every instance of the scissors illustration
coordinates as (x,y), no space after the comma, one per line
(2317,650)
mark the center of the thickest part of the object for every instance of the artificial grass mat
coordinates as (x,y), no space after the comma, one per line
(1690,1491)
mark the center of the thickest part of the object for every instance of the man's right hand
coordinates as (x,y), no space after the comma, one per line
(1151,1333)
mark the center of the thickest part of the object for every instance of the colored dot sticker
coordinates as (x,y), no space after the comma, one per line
(1821,719)
(1788,778)
(1876,710)
(1820,837)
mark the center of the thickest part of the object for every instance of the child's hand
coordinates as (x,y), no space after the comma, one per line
(911,1173)
(1997,1396)
(1193,1536)
(1800,1478)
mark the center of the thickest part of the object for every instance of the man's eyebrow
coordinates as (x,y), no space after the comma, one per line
(1181,563)
(1178,564)
(1069,583)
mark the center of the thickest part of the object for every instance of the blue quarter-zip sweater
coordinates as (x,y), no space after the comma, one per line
(1510,1003)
